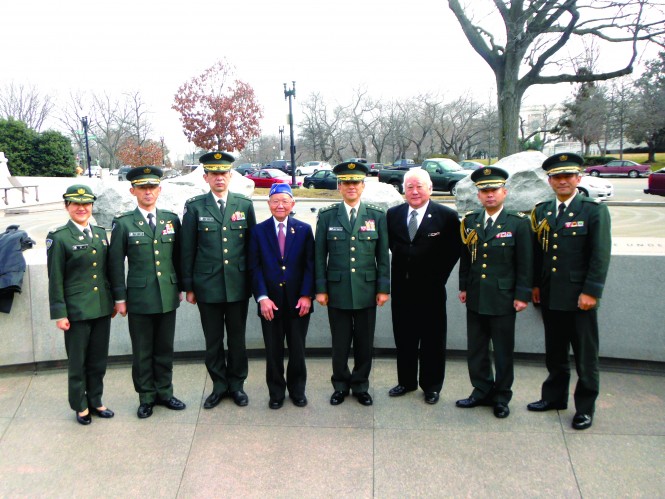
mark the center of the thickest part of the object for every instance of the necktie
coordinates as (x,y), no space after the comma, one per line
(562,208)
(489,224)
(151,222)
(413,224)
(221,206)
(281,238)
(352,217)
(87,233)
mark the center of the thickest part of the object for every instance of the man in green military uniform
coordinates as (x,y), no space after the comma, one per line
(150,239)
(572,256)
(495,277)
(352,270)
(80,301)
(216,277)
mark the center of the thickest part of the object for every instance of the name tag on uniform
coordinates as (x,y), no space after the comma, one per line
(579,223)
(335,229)
(206,219)
(79,247)
(504,234)
(136,234)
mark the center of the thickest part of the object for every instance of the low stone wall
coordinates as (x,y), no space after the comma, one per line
(631,320)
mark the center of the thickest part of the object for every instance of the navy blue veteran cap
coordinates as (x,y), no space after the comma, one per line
(280,189)
(79,193)
(563,163)
(489,177)
(351,171)
(217,161)
(144,175)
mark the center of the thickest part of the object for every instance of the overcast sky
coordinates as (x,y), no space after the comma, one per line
(391,47)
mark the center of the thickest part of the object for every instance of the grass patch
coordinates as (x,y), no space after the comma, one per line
(305,193)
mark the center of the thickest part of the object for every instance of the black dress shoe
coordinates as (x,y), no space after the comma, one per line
(144,410)
(544,405)
(298,400)
(337,397)
(240,398)
(104,413)
(431,397)
(399,390)
(173,403)
(84,420)
(470,402)
(213,400)
(364,398)
(276,404)
(582,421)
(501,410)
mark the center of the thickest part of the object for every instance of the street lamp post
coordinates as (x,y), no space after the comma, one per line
(161,139)
(84,122)
(281,142)
(292,94)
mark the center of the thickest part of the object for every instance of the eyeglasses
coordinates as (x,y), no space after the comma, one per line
(278,202)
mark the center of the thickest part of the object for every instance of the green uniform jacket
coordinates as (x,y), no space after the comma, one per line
(152,285)
(78,287)
(214,250)
(573,256)
(352,265)
(496,267)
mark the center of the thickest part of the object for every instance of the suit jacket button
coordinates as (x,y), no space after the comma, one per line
(226,262)
(95,288)
(94,264)
(159,274)
(94,252)
(553,269)
(283,267)
(483,276)
(353,270)
(484,265)
(484,245)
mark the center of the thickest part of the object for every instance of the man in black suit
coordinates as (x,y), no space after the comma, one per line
(425,244)
(281,262)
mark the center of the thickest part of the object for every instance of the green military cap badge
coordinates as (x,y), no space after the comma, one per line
(217,161)
(350,171)
(145,175)
(564,163)
(79,193)
(490,177)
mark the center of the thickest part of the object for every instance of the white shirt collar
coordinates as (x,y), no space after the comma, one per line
(494,217)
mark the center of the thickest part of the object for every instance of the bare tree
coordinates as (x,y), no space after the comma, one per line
(321,127)
(26,104)
(536,44)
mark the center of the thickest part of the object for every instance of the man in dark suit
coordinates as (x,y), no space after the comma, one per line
(352,268)
(495,277)
(281,260)
(425,245)
(215,239)
(572,257)
(149,238)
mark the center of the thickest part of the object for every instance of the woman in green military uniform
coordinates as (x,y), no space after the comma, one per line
(80,301)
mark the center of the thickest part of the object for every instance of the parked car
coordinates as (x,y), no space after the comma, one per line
(404,162)
(355,160)
(312,167)
(268,176)
(280,164)
(656,183)
(619,167)
(323,179)
(595,188)
(123,171)
(470,165)
(374,169)
(245,168)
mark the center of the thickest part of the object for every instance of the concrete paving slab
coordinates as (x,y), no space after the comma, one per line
(318,411)
(4,424)
(471,464)
(111,459)
(618,465)
(255,461)
(13,388)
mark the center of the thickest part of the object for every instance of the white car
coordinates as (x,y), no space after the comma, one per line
(595,187)
(311,167)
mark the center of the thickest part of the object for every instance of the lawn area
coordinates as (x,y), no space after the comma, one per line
(637,157)
(305,193)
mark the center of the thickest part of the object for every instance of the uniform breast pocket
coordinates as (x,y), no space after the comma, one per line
(136,282)
(337,242)
(168,238)
(504,246)
(367,241)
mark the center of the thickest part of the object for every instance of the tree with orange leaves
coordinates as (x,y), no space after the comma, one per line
(147,154)
(217,110)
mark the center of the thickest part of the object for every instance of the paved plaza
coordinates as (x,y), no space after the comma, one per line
(396,448)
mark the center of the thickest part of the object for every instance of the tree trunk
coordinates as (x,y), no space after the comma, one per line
(509,98)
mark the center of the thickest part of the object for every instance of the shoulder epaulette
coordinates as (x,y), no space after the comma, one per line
(196,198)
(519,214)
(57,229)
(543,202)
(169,212)
(125,214)
(328,208)
(375,207)
(591,200)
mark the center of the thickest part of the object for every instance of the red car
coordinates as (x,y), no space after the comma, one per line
(656,183)
(619,167)
(268,176)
